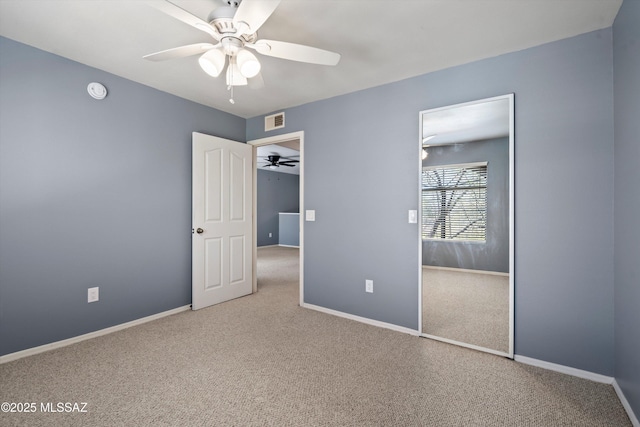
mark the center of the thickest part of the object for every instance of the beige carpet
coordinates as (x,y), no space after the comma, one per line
(472,308)
(263,361)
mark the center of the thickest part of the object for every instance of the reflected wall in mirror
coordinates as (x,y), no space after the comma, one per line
(466,233)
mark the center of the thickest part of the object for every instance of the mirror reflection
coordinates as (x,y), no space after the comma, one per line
(466,224)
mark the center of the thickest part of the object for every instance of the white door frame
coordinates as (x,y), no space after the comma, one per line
(268,141)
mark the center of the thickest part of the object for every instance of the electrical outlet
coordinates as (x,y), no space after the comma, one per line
(93,294)
(368,286)
(270,234)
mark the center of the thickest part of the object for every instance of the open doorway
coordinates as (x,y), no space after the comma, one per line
(278,164)
(278,194)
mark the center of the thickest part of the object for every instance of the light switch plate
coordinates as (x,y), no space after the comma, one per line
(413,216)
(310,215)
(93,294)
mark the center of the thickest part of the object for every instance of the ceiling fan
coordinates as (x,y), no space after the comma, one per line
(233,28)
(275,162)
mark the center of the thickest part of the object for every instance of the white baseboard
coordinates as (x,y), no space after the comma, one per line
(51,346)
(625,403)
(464,270)
(267,246)
(288,246)
(362,319)
(599,378)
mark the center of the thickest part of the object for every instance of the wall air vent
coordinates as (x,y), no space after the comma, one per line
(274,121)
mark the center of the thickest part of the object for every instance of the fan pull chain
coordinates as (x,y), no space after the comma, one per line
(230,87)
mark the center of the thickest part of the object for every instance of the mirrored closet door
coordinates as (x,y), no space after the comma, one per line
(467,223)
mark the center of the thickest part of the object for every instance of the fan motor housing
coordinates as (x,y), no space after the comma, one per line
(222,20)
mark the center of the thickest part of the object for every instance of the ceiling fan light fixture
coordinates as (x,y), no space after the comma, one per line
(234,76)
(212,62)
(235,27)
(248,64)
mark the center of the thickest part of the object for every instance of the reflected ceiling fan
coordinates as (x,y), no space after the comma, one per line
(275,161)
(233,28)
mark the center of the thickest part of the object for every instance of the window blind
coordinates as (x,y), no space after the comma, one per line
(454,202)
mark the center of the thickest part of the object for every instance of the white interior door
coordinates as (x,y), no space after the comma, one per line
(222,225)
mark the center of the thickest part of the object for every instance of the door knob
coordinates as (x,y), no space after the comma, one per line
(199,231)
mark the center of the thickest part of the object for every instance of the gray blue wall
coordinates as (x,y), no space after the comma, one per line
(277,192)
(92,193)
(564,237)
(493,254)
(626,55)
(289,233)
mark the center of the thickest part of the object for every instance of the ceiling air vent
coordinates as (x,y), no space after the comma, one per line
(274,121)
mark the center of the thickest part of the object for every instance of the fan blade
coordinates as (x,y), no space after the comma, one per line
(295,52)
(180,52)
(289,161)
(254,13)
(182,15)
(286,164)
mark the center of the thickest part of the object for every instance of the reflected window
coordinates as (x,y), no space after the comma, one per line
(454,202)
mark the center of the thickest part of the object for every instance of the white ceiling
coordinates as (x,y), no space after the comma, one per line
(380,41)
(468,122)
